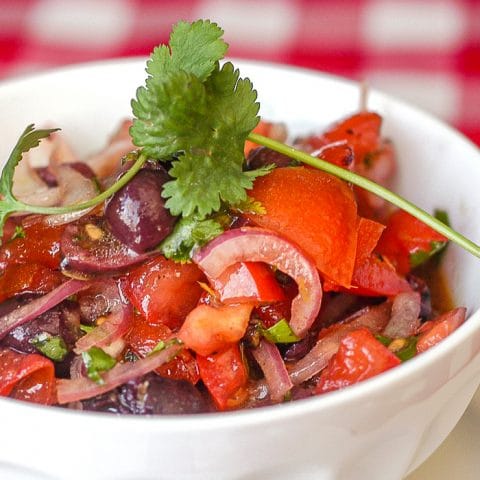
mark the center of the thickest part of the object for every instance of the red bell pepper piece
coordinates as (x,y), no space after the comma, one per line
(252,282)
(29,377)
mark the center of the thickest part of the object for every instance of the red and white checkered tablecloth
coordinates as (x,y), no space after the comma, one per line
(426,51)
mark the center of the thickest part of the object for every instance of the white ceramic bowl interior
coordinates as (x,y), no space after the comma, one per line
(380,429)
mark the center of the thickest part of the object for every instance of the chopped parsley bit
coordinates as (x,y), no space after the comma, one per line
(86,328)
(162,345)
(18,233)
(279,333)
(52,347)
(97,361)
(188,234)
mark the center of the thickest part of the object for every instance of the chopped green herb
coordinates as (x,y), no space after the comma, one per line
(53,347)
(86,328)
(281,332)
(18,233)
(421,256)
(409,350)
(97,361)
(162,344)
(189,233)
(386,341)
(442,215)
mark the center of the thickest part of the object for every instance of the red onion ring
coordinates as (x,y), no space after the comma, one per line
(249,244)
(36,307)
(273,367)
(82,388)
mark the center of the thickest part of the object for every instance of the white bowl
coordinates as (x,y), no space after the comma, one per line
(378,430)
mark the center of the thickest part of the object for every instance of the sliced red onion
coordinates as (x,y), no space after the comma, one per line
(117,323)
(374,318)
(248,244)
(274,370)
(405,320)
(75,188)
(82,388)
(36,307)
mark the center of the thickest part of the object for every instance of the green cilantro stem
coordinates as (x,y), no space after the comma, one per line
(122,181)
(372,187)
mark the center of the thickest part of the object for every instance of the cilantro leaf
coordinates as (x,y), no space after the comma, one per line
(53,347)
(189,233)
(194,48)
(280,332)
(30,138)
(97,361)
(200,113)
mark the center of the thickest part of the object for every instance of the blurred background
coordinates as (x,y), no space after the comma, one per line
(426,51)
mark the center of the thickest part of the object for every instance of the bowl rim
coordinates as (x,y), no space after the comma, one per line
(282,412)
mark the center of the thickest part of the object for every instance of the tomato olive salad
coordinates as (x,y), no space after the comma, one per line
(179,270)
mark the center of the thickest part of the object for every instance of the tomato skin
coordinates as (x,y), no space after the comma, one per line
(375,277)
(41,245)
(225,376)
(144,337)
(404,236)
(248,282)
(360,356)
(164,291)
(29,377)
(28,278)
(326,224)
(208,329)
(434,331)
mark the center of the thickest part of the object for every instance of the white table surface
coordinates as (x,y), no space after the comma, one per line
(458,458)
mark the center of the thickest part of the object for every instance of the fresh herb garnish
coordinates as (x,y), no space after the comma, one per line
(281,332)
(9,203)
(200,113)
(53,347)
(189,233)
(97,361)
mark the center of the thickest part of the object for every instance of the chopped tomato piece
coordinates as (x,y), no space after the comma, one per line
(359,356)
(40,244)
(361,131)
(28,278)
(210,329)
(164,291)
(225,376)
(144,337)
(277,131)
(436,330)
(325,225)
(407,241)
(368,235)
(27,377)
(376,277)
(248,282)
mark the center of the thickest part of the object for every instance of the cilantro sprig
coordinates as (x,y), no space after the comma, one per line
(195,114)
(202,113)
(9,204)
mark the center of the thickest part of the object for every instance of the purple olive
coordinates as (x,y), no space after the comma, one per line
(88,246)
(137,215)
(62,321)
(263,156)
(151,395)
